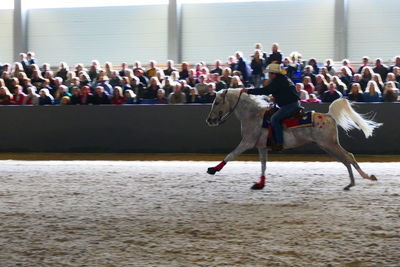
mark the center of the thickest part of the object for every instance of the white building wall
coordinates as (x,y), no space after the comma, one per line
(6,36)
(212,31)
(115,34)
(373,29)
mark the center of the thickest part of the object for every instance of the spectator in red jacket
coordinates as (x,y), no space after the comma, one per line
(118,97)
(86,95)
(18,96)
(308,85)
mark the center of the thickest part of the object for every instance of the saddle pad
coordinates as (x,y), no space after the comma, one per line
(305,121)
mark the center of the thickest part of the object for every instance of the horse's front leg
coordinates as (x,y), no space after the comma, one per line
(243,146)
(262,151)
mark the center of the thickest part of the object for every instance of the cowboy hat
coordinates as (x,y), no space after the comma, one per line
(275,68)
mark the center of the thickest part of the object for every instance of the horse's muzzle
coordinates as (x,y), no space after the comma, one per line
(212,121)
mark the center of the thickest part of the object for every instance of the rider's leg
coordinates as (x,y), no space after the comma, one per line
(277,127)
(276,120)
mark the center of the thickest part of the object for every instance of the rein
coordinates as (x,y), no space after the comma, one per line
(227,115)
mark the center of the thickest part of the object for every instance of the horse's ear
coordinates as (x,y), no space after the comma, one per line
(223,95)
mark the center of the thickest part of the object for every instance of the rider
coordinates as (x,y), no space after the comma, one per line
(284,93)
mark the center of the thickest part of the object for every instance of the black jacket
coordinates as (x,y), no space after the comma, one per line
(282,88)
(99,100)
(257,66)
(277,56)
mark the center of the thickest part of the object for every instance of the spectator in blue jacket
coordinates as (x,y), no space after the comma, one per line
(291,69)
(30,56)
(104,82)
(25,63)
(372,92)
(243,67)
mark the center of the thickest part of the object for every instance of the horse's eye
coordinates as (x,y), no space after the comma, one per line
(216,103)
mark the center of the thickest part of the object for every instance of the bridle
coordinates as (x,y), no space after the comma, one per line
(231,110)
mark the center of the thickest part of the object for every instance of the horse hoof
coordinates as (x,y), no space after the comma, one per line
(373,178)
(211,170)
(347,188)
(257,186)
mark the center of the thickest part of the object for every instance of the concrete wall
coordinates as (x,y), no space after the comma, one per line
(6,36)
(157,129)
(116,34)
(213,31)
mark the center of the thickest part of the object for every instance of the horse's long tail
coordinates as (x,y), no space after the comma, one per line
(348,118)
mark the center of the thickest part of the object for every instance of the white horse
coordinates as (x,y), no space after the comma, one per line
(250,111)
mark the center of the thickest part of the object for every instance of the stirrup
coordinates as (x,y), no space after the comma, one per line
(277,147)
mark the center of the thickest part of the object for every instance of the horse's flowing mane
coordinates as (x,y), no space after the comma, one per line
(259,102)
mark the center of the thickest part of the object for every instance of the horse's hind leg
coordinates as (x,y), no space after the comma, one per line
(347,158)
(359,170)
(262,151)
(339,153)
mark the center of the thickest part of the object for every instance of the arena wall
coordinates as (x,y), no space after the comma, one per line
(159,129)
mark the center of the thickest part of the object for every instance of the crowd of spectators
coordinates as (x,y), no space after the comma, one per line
(27,83)
(374,82)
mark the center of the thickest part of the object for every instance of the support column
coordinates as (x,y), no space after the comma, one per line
(174,31)
(340,31)
(20,40)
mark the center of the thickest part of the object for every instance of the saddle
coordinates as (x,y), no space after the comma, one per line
(297,115)
(299,118)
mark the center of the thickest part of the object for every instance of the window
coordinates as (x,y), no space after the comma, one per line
(88,3)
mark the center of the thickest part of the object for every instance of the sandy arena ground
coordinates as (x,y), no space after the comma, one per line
(159,213)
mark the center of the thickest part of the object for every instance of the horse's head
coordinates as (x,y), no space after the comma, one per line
(220,109)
